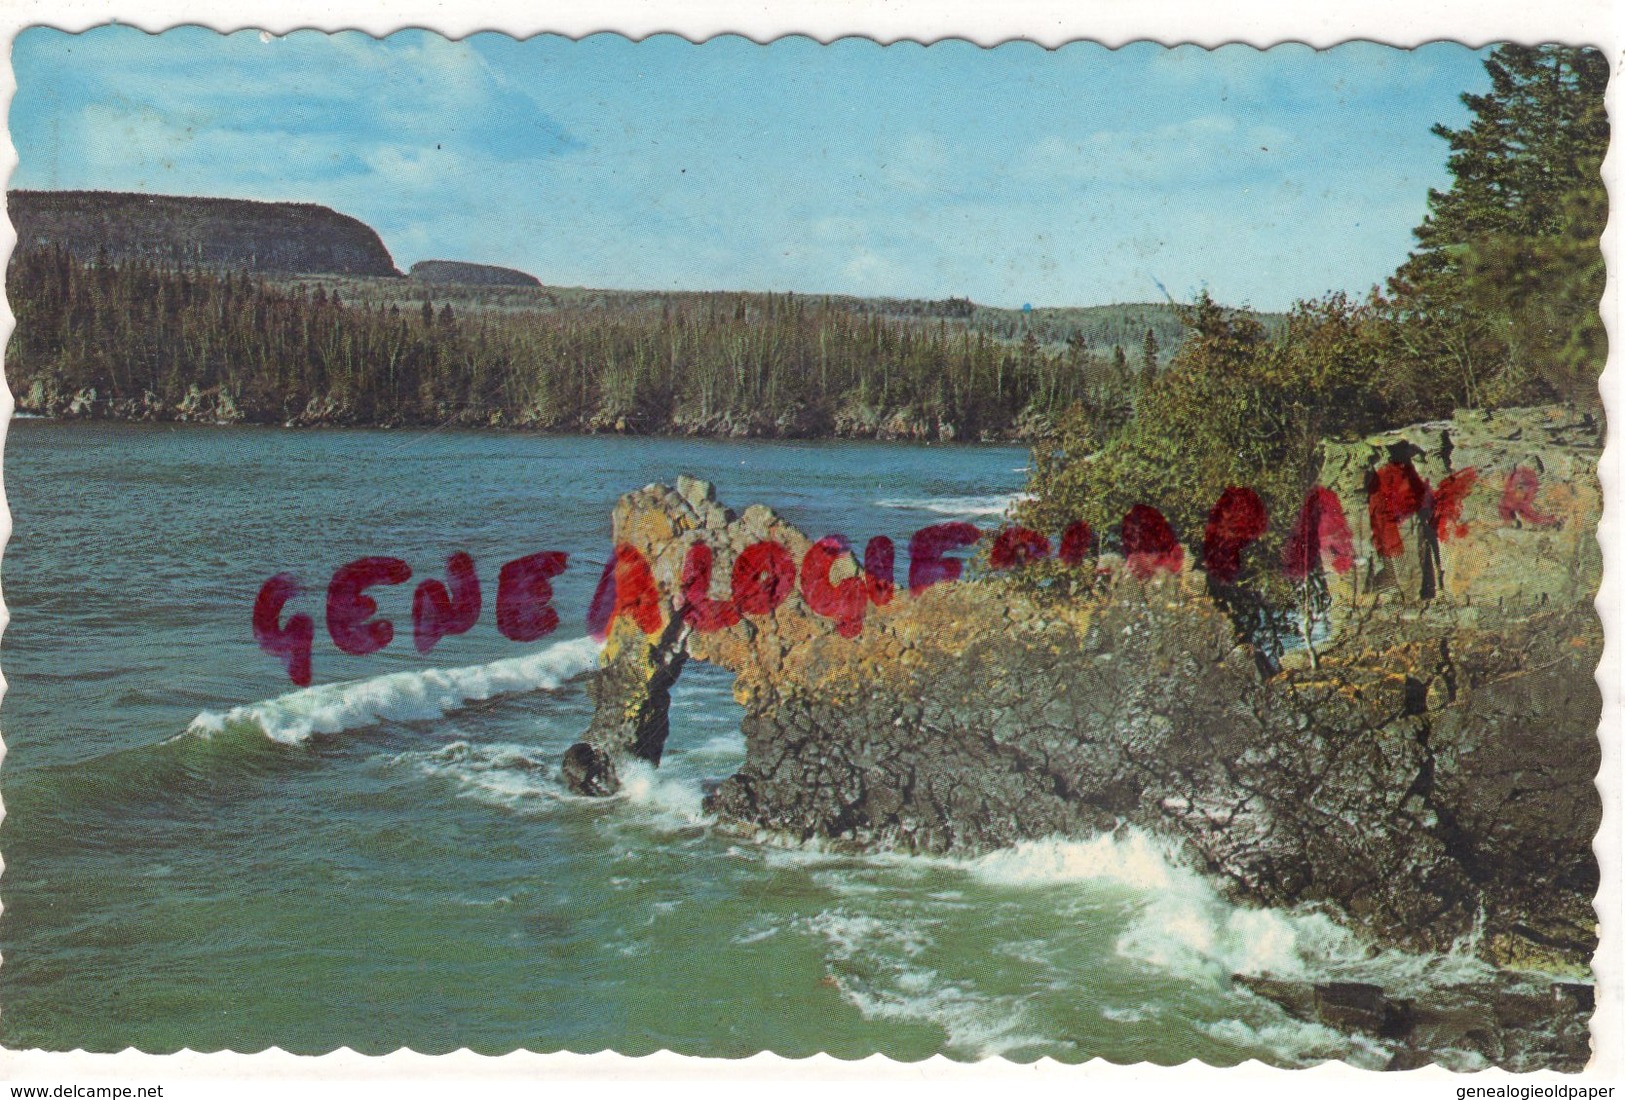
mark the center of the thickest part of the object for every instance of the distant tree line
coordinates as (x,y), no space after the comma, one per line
(743,364)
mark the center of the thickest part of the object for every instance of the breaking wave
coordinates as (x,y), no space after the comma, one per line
(891,945)
(1186,926)
(669,799)
(400,696)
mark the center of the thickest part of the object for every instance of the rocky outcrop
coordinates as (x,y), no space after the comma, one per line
(1430,777)
(1517,1022)
(176,231)
(469,274)
(1522,536)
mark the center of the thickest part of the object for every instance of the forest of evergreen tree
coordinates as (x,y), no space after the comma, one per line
(143,337)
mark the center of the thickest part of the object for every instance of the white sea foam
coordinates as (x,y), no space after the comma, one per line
(1167,915)
(1184,925)
(514,777)
(1136,1015)
(401,696)
(879,972)
(979,1025)
(1178,920)
(852,934)
(668,798)
(957,506)
(1300,1042)
(1130,858)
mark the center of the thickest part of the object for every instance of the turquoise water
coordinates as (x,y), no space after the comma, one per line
(199,856)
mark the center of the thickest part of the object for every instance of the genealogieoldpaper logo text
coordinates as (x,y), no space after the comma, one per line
(765,573)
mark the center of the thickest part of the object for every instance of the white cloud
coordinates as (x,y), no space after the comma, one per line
(1195,150)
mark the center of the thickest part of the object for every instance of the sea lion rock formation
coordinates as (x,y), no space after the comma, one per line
(1430,777)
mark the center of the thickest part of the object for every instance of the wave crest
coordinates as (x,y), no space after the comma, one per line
(401,696)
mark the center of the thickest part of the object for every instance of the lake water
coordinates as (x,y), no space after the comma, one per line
(199,856)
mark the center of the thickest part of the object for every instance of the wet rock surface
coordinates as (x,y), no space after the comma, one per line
(1516,1022)
(1430,780)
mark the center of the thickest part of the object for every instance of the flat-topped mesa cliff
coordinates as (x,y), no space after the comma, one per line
(1430,779)
(458,272)
(281,238)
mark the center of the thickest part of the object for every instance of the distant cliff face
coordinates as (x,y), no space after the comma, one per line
(456,271)
(225,234)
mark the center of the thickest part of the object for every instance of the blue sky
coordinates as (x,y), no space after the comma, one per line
(1071,177)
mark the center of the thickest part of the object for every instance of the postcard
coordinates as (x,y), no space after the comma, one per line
(627,544)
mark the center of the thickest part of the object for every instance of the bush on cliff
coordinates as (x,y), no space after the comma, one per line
(1234,408)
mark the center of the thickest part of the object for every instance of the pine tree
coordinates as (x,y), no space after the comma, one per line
(1149,352)
(1508,272)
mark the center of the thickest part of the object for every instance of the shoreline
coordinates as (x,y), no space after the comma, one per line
(518,428)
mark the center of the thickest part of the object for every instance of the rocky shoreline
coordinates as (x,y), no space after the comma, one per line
(1428,779)
(218,407)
